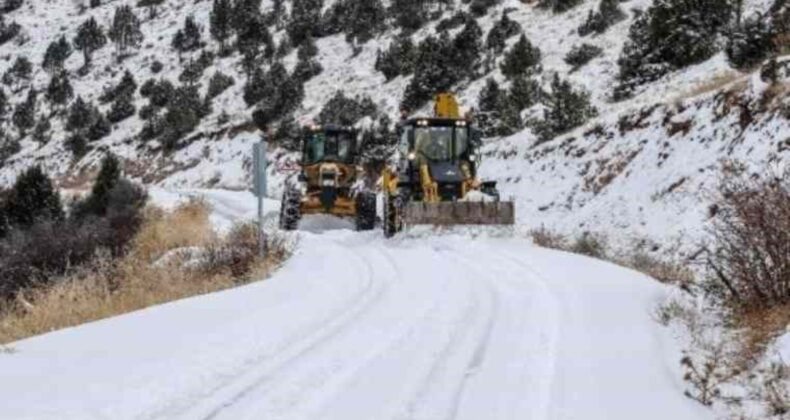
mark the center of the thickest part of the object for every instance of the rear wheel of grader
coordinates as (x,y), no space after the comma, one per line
(392,222)
(290,210)
(366,211)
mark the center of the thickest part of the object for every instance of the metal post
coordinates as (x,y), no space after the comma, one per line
(261,234)
(259,188)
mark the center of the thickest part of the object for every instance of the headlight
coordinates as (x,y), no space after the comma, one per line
(412,156)
(472,156)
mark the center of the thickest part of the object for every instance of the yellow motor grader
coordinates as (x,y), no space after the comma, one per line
(329,180)
(436,175)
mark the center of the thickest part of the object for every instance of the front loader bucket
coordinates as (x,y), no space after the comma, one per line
(459,213)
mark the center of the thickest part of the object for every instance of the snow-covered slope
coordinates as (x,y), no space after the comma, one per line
(650,173)
(355,327)
(619,173)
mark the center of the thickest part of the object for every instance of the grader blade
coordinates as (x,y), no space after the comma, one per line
(459,213)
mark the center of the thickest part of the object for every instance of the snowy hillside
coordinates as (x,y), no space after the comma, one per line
(587,174)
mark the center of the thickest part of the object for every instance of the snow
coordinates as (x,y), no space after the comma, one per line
(358,327)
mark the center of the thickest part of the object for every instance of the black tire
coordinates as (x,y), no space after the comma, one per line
(492,192)
(366,211)
(290,210)
(392,222)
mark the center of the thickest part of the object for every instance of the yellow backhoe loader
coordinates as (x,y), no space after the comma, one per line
(436,174)
(328,180)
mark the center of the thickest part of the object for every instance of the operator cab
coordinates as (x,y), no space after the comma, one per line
(329,144)
(447,146)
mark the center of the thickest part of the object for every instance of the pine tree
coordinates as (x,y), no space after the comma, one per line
(434,71)
(503,29)
(125,30)
(188,38)
(90,37)
(467,47)
(306,68)
(218,83)
(24,117)
(500,110)
(32,199)
(253,37)
(77,144)
(109,176)
(277,14)
(559,6)
(288,134)
(378,145)
(365,20)
(220,22)
(80,115)
(670,35)
(8,31)
(122,108)
(582,54)
(409,15)
(280,94)
(342,110)
(608,14)
(151,5)
(244,10)
(3,104)
(750,43)
(20,72)
(522,60)
(100,127)
(304,16)
(480,7)
(336,19)
(41,131)
(566,109)
(184,112)
(127,86)
(398,59)
(489,97)
(56,55)
(524,93)
(59,90)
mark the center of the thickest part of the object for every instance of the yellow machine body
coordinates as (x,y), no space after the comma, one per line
(433,188)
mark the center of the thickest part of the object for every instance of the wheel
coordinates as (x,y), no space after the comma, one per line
(366,211)
(491,191)
(392,223)
(290,210)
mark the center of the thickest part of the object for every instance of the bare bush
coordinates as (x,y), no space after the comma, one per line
(590,244)
(775,389)
(707,371)
(749,255)
(547,239)
(662,270)
(111,286)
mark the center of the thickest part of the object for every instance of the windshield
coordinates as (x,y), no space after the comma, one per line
(436,143)
(328,146)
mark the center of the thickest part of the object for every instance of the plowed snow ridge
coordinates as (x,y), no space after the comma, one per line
(357,327)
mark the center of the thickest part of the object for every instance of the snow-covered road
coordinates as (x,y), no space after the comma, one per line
(356,327)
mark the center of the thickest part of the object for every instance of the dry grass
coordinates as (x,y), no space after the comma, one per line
(108,288)
(712,84)
(188,225)
(759,328)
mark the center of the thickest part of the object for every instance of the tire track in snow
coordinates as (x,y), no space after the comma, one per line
(255,371)
(516,338)
(306,384)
